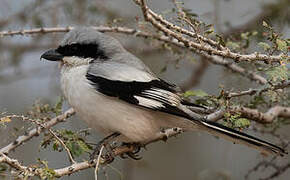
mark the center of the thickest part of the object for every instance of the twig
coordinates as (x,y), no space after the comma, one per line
(64,146)
(36,131)
(216,115)
(279,85)
(235,68)
(98,162)
(50,131)
(182,30)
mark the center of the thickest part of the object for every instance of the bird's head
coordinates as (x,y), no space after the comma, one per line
(82,46)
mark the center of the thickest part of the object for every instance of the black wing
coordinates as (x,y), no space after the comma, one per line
(155,94)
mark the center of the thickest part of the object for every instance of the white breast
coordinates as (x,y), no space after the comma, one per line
(103,113)
(109,114)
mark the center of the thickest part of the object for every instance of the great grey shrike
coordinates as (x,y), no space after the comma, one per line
(115,92)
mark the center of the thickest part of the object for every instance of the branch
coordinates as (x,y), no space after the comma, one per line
(13,163)
(280,85)
(36,131)
(236,68)
(117,151)
(268,117)
(49,130)
(253,114)
(182,30)
(214,59)
(75,166)
(169,29)
(264,118)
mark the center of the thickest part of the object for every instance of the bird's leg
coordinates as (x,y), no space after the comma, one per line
(104,142)
(133,154)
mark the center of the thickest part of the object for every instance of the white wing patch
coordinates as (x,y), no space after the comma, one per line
(158,98)
(150,103)
(164,96)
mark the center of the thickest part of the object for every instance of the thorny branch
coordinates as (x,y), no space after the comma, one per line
(36,131)
(49,130)
(267,117)
(172,30)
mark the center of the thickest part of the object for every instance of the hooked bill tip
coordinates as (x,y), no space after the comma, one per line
(51,55)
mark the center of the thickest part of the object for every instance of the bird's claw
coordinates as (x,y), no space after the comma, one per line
(106,143)
(133,154)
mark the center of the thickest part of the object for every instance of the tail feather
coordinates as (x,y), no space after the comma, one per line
(242,138)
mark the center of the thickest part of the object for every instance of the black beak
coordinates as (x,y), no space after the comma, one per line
(52,55)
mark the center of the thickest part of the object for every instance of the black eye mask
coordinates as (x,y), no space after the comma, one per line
(82,50)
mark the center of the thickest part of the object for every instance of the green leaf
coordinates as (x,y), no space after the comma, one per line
(46,172)
(3,168)
(278,73)
(254,33)
(58,106)
(288,42)
(189,13)
(210,30)
(257,100)
(198,93)
(245,35)
(74,148)
(233,45)
(234,121)
(57,146)
(83,146)
(242,123)
(282,45)
(220,40)
(264,45)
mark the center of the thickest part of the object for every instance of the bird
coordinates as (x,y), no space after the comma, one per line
(116,94)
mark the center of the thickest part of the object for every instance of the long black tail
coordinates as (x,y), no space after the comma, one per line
(242,138)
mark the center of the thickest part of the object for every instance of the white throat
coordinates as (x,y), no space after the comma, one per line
(74,61)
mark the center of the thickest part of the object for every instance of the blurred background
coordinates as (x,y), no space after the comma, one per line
(25,79)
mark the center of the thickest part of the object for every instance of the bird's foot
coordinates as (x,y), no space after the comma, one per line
(106,143)
(132,154)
